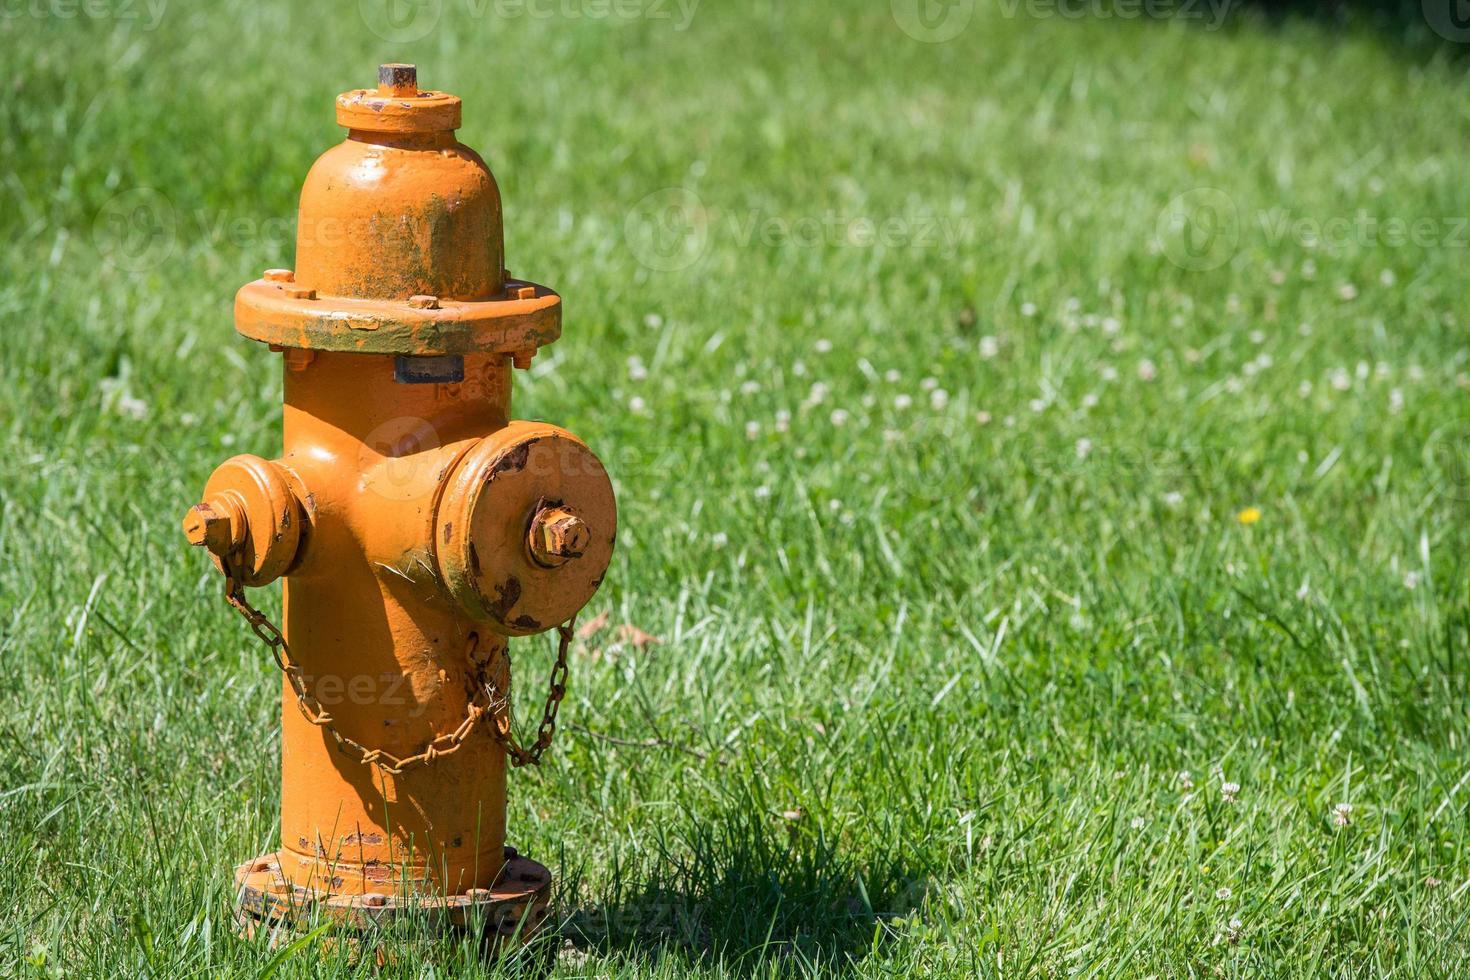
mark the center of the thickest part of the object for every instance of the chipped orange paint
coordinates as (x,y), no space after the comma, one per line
(417,528)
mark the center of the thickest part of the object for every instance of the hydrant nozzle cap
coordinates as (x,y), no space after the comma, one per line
(397,105)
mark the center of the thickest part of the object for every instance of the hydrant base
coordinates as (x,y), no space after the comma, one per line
(510,913)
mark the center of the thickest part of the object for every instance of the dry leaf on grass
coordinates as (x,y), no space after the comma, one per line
(635,637)
(593,626)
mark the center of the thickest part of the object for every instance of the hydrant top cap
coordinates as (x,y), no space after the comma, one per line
(397,105)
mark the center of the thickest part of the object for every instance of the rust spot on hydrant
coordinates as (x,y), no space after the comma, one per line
(416,527)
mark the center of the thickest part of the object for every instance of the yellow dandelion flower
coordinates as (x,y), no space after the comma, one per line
(1249,516)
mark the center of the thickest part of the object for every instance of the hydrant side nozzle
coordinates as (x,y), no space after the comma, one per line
(524,528)
(250,519)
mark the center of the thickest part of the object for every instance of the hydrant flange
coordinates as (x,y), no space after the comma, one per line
(528,319)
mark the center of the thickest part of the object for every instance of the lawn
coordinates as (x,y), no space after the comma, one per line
(1042,445)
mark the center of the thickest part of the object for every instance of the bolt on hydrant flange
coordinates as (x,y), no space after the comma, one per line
(416,527)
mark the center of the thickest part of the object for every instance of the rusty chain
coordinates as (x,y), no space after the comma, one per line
(488,699)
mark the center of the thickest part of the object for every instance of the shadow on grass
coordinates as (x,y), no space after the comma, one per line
(745,888)
(1442,25)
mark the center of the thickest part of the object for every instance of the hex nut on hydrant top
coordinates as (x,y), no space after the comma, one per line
(416,527)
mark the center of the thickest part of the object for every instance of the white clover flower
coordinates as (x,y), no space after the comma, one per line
(1411,580)
(902,402)
(1185,780)
(839,416)
(1342,814)
(762,492)
(984,418)
(637,404)
(1090,400)
(750,387)
(1028,309)
(938,399)
(1222,893)
(892,376)
(752,429)
(719,539)
(989,347)
(822,346)
(1146,370)
(1083,447)
(1174,499)
(929,384)
(636,369)
(1229,792)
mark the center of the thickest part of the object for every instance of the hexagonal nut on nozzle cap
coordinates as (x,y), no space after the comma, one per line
(211,526)
(557,536)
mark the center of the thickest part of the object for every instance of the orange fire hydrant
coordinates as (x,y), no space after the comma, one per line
(416,527)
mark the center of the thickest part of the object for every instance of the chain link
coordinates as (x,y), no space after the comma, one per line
(488,699)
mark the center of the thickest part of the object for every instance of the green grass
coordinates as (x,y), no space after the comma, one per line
(931,664)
